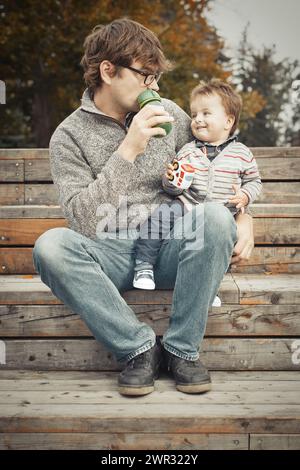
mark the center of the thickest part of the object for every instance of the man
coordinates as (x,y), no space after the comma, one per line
(101,155)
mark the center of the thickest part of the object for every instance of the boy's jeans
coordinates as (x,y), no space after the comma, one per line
(88,276)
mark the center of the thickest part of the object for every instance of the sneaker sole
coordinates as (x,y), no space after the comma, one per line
(150,286)
(138,391)
(194,388)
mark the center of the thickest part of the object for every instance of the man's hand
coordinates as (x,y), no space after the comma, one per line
(245,242)
(142,129)
(240,199)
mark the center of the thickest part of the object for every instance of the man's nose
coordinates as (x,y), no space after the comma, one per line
(154,86)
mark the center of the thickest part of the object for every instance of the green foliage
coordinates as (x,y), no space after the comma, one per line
(272,80)
(42,44)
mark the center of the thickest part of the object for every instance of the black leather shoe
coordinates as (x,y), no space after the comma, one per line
(190,376)
(140,372)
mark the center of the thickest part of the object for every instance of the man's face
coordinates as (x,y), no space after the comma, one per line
(127,85)
(210,122)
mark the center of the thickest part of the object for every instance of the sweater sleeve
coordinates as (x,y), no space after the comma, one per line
(80,192)
(251,182)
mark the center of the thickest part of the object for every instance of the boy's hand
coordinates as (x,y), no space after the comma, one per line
(170,170)
(240,199)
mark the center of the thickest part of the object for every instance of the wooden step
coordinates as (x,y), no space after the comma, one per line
(257,327)
(217,353)
(234,320)
(275,163)
(276,226)
(244,289)
(84,410)
(264,259)
(268,230)
(46,193)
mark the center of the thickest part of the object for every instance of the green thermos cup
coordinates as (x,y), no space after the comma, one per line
(152,97)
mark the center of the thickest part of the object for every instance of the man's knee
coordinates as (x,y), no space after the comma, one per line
(218,220)
(48,247)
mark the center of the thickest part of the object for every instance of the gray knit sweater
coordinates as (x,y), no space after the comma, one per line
(90,174)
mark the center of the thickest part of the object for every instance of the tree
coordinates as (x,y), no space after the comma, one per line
(41,48)
(260,72)
(293,131)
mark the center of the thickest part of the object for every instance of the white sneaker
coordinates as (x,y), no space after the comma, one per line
(217,302)
(144,279)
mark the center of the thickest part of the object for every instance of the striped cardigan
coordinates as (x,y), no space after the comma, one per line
(213,180)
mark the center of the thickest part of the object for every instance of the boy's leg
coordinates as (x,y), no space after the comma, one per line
(154,230)
(152,233)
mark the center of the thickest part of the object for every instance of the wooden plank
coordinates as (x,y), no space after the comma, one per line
(31,212)
(26,231)
(275,210)
(275,152)
(274,441)
(271,259)
(166,395)
(31,153)
(108,381)
(277,231)
(41,194)
(16,260)
(280,193)
(12,194)
(273,168)
(30,290)
(74,377)
(266,230)
(12,170)
(268,289)
(139,417)
(122,441)
(17,154)
(265,259)
(37,170)
(228,320)
(54,211)
(218,354)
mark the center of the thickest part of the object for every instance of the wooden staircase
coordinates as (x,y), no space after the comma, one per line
(58,385)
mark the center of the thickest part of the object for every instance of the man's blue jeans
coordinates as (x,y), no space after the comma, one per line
(88,275)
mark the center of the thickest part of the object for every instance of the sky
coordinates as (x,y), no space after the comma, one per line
(271,22)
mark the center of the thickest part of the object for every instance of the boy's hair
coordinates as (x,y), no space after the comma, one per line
(231,100)
(121,42)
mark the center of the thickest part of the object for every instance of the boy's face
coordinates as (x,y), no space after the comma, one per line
(210,122)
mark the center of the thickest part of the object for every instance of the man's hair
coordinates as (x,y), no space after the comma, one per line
(231,100)
(121,42)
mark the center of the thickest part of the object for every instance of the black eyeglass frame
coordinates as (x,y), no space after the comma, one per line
(154,76)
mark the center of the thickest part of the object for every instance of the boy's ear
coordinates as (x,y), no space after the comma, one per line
(230,122)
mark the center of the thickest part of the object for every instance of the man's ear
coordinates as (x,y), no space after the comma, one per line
(230,121)
(107,71)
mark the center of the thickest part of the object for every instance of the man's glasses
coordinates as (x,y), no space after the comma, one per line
(149,78)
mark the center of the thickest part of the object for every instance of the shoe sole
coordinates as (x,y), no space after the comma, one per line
(138,391)
(194,388)
(144,286)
